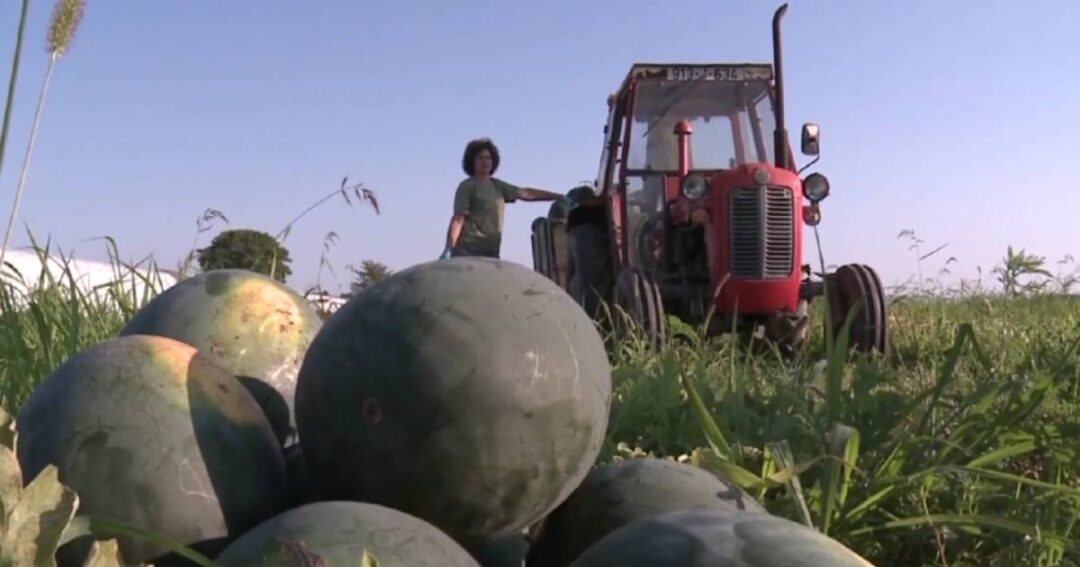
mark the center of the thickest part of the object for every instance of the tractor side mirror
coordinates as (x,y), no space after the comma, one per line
(811,139)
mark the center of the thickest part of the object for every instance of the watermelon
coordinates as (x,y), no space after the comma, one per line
(718,537)
(507,551)
(300,487)
(338,533)
(619,493)
(251,324)
(149,431)
(471,392)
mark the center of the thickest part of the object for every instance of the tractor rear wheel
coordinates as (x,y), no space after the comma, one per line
(638,295)
(592,278)
(858,287)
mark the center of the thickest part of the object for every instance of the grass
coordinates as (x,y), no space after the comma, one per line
(960,449)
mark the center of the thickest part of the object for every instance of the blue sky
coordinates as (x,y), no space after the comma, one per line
(957,119)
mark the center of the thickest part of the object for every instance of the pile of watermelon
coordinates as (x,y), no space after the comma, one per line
(450,415)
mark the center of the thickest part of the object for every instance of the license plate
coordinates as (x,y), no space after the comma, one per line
(719,73)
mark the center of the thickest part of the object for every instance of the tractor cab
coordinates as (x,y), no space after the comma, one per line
(699,119)
(685,131)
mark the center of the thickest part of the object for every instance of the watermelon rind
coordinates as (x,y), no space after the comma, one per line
(621,492)
(339,532)
(718,538)
(150,432)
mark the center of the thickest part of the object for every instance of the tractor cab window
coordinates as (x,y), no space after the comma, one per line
(732,124)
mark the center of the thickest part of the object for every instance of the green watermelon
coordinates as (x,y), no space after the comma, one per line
(300,487)
(338,533)
(619,493)
(148,431)
(718,538)
(507,551)
(471,392)
(251,324)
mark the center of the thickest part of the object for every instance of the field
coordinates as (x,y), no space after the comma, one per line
(960,449)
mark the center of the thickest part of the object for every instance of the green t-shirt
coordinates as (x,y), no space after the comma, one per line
(484,206)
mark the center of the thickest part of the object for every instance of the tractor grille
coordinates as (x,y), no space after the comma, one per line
(762,232)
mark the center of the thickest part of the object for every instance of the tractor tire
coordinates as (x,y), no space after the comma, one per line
(638,295)
(591,280)
(857,286)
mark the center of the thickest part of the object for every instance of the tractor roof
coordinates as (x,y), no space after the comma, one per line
(699,72)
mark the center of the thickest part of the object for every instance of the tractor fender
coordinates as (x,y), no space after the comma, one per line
(587,214)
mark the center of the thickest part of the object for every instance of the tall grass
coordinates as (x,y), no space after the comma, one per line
(47,317)
(961,448)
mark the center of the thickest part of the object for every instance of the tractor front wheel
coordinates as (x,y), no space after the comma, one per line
(638,295)
(857,287)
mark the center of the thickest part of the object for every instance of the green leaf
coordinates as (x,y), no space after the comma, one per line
(1003,453)
(7,430)
(104,554)
(866,505)
(38,520)
(102,528)
(963,334)
(11,482)
(834,372)
(1010,478)
(733,473)
(975,521)
(712,432)
(79,526)
(786,460)
(843,443)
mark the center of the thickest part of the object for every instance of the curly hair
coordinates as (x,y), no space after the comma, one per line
(473,149)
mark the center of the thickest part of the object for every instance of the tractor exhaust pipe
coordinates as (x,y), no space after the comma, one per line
(780,134)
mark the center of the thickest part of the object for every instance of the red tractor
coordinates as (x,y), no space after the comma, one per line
(698,211)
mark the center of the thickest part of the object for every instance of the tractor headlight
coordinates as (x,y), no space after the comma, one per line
(694,187)
(815,187)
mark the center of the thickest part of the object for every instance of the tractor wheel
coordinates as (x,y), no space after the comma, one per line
(592,278)
(638,295)
(650,241)
(849,286)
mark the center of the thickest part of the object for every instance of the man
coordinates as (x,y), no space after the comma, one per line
(479,204)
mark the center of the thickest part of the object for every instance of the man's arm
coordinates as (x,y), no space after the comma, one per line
(453,232)
(457,221)
(513,192)
(534,194)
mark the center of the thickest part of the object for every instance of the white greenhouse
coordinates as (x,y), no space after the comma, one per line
(23,271)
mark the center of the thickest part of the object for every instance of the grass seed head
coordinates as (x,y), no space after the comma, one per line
(65,22)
